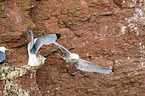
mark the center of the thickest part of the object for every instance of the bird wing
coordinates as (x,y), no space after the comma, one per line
(2,56)
(32,36)
(44,39)
(90,67)
(31,43)
(64,50)
(48,38)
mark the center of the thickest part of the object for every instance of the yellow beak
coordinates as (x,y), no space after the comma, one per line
(7,49)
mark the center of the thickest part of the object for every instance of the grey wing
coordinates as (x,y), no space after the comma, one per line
(48,38)
(91,67)
(31,46)
(2,56)
(43,39)
(32,36)
(36,46)
(62,48)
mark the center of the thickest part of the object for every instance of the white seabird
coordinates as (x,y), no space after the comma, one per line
(80,64)
(36,43)
(2,54)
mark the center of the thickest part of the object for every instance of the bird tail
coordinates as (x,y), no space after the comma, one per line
(32,61)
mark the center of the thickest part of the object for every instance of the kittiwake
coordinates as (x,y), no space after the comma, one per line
(80,64)
(2,54)
(36,43)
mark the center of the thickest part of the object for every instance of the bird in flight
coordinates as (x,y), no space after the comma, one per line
(2,54)
(80,64)
(36,43)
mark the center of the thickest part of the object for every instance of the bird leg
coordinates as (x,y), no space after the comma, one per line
(113,69)
(64,64)
(65,68)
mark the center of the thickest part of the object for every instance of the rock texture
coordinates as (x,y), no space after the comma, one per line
(109,33)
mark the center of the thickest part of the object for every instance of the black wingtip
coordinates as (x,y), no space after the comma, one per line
(43,33)
(2,62)
(30,31)
(113,70)
(58,36)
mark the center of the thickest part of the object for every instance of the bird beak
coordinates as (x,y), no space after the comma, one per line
(7,49)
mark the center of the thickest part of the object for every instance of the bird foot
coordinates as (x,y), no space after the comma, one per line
(65,68)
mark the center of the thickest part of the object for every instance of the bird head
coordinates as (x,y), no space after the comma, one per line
(74,57)
(3,49)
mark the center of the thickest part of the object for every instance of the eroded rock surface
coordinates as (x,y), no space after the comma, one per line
(109,33)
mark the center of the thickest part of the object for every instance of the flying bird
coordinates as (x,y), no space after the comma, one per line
(80,64)
(36,43)
(2,54)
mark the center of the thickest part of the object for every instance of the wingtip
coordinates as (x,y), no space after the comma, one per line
(1,62)
(58,36)
(30,31)
(113,70)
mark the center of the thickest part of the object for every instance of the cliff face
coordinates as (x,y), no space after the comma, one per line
(109,33)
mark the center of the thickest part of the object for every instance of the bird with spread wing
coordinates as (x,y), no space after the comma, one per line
(36,44)
(80,64)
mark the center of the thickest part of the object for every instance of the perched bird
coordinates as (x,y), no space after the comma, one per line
(36,43)
(79,63)
(2,54)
